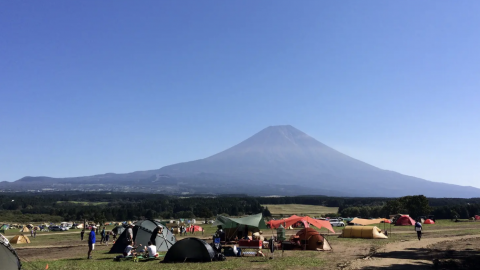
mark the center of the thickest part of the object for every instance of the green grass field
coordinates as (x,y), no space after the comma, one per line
(299,209)
(64,250)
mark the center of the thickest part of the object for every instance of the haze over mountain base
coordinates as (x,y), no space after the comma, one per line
(279,160)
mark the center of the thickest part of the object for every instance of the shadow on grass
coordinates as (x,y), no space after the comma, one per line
(419,266)
(440,259)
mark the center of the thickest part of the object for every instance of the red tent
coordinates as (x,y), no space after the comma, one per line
(404,221)
(429,221)
(477,217)
(306,219)
(195,228)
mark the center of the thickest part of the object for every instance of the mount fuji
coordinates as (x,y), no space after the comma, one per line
(278,160)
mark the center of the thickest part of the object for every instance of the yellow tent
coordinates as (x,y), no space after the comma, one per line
(20,239)
(368,232)
(24,229)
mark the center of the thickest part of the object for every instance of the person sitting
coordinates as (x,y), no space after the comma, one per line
(151,250)
(129,250)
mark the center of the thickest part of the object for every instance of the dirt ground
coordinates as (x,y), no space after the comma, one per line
(457,252)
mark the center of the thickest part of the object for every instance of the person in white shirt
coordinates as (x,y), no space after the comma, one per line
(151,250)
(128,250)
(130,233)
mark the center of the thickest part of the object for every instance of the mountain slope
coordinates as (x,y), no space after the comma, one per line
(277,160)
(285,155)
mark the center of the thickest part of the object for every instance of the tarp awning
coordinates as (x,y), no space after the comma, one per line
(365,222)
(251,221)
(294,219)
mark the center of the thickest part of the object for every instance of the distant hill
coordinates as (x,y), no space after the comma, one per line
(277,160)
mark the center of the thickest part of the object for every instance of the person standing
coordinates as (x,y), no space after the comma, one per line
(158,231)
(34,232)
(418,229)
(31,232)
(91,242)
(103,236)
(81,234)
(130,233)
(107,237)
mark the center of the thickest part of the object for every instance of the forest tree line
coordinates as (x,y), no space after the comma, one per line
(75,206)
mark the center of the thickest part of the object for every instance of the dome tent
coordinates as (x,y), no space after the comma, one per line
(190,250)
(405,221)
(429,221)
(20,239)
(142,233)
(8,257)
(313,240)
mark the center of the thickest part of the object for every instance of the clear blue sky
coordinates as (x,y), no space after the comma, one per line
(89,87)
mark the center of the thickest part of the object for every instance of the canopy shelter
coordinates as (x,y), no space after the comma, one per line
(429,221)
(367,232)
(365,222)
(306,219)
(8,257)
(255,221)
(405,221)
(190,250)
(239,227)
(143,232)
(276,223)
(196,228)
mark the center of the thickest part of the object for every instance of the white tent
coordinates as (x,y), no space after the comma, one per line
(8,257)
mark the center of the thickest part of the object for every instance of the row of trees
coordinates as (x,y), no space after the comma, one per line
(130,206)
(417,206)
(103,207)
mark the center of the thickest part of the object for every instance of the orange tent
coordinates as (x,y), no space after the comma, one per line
(429,221)
(311,239)
(306,219)
(276,223)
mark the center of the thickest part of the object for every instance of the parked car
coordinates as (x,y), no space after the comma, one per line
(58,228)
(55,228)
(336,223)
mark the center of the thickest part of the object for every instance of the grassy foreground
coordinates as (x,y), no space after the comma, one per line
(104,261)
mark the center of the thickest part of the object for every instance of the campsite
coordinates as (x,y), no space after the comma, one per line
(64,250)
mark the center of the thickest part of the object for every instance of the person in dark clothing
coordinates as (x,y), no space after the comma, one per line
(418,229)
(91,242)
(155,233)
(81,235)
(103,235)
